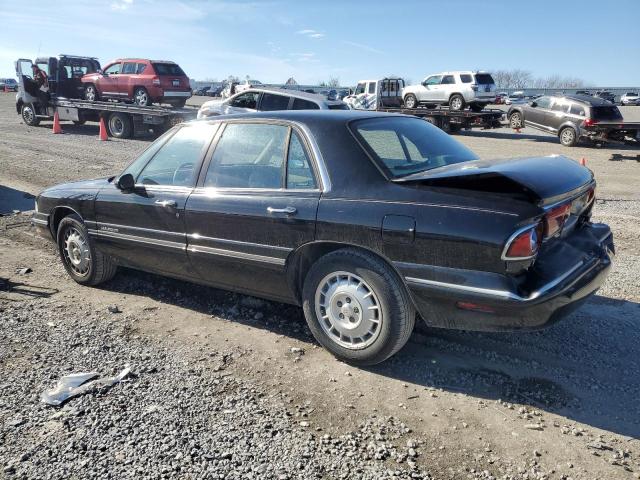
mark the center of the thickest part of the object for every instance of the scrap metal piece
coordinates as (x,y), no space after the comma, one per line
(77,384)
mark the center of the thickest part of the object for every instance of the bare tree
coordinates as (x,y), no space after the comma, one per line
(521,79)
(333,82)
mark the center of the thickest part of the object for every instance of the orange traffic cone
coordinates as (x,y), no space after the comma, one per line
(583,162)
(103,131)
(517,130)
(6,88)
(56,123)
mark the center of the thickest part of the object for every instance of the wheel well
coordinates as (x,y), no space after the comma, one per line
(300,262)
(56,217)
(19,106)
(456,93)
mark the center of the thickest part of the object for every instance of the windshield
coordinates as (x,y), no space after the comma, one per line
(402,146)
(167,69)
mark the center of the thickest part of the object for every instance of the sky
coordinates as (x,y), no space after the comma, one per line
(273,40)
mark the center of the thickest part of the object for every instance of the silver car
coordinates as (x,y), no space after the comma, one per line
(269,99)
(630,98)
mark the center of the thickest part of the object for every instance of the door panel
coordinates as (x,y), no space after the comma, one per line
(241,239)
(145,228)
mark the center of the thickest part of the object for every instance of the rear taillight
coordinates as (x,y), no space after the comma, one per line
(589,122)
(555,218)
(525,243)
(155,81)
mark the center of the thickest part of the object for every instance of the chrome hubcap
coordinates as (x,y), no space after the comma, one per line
(28,114)
(115,125)
(567,136)
(515,120)
(456,103)
(348,310)
(76,251)
(410,102)
(141,97)
(91,93)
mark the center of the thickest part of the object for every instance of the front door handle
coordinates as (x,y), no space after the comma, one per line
(285,210)
(166,203)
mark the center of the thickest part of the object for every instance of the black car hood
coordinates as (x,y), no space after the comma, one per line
(541,180)
(95,184)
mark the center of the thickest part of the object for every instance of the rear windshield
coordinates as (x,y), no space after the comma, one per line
(338,106)
(606,113)
(167,69)
(484,79)
(404,146)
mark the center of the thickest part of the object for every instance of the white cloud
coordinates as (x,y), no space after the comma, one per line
(310,33)
(121,5)
(361,46)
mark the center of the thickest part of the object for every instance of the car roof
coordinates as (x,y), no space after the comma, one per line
(310,116)
(586,99)
(293,93)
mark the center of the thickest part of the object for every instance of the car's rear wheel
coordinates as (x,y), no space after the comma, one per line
(456,102)
(28,113)
(515,120)
(91,93)
(410,101)
(477,107)
(83,262)
(357,307)
(568,137)
(120,125)
(141,97)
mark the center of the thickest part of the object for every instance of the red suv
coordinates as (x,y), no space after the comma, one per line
(141,81)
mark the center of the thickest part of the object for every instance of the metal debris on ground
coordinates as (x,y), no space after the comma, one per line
(76,384)
(23,270)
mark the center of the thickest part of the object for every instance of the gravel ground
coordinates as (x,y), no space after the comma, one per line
(228,386)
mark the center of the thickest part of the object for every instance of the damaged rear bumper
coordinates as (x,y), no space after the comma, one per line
(559,282)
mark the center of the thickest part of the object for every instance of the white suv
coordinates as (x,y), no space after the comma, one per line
(456,89)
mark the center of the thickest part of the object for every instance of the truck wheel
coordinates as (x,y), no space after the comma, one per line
(357,307)
(79,122)
(456,102)
(179,103)
(477,107)
(515,120)
(91,93)
(29,115)
(141,97)
(410,101)
(568,137)
(120,125)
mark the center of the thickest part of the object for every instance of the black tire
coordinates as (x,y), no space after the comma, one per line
(99,267)
(28,112)
(454,128)
(91,93)
(515,120)
(568,137)
(179,103)
(456,102)
(395,308)
(141,97)
(120,125)
(79,122)
(477,107)
(410,101)
(159,129)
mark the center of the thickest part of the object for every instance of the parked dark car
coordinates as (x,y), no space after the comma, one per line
(202,90)
(363,219)
(571,117)
(139,80)
(608,96)
(216,91)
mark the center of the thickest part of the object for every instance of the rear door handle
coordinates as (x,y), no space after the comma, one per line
(166,203)
(285,210)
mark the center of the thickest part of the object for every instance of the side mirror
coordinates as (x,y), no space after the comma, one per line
(534,104)
(126,182)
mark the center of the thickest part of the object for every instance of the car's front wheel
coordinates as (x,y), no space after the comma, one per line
(141,97)
(515,120)
(568,137)
(91,93)
(29,116)
(357,307)
(410,101)
(83,262)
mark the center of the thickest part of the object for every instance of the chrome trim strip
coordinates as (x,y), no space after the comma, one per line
(141,229)
(419,205)
(172,93)
(134,238)
(503,256)
(234,254)
(40,222)
(503,294)
(197,236)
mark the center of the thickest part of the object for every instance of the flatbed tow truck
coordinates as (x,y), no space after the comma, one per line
(122,120)
(385,95)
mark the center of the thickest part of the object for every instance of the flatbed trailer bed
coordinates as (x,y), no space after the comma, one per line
(452,121)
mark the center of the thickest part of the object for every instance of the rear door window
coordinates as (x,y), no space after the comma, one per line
(577,109)
(140,68)
(484,79)
(448,80)
(167,69)
(301,104)
(246,100)
(560,106)
(271,102)
(248,156)
(129,68)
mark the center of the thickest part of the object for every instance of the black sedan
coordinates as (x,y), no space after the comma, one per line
(361,218)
